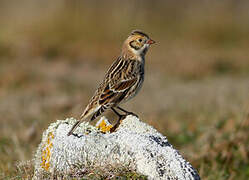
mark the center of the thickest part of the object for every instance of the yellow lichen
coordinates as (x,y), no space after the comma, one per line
(46,152)
(104,126)
(48,141)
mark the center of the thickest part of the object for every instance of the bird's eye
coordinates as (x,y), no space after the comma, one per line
(140,40)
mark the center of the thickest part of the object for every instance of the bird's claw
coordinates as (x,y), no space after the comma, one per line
(131,113)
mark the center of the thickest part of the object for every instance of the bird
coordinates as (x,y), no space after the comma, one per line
(122,81)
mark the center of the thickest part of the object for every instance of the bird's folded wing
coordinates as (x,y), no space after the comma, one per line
(123,85)
(117,91)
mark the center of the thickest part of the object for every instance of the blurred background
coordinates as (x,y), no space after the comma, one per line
(196,92)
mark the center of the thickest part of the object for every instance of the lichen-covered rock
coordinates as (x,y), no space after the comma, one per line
(134,145)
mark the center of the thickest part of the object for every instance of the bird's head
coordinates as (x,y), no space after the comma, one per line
(137,43)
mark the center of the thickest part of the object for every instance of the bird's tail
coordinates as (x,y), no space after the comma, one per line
(88,112)
(74,127)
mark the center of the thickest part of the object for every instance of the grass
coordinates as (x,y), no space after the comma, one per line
(25,171)
(195,92)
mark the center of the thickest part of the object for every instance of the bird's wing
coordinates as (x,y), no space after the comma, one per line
(120,78)
(118,81)
(115,93)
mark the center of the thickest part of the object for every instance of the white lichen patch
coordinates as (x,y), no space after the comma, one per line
(134,145)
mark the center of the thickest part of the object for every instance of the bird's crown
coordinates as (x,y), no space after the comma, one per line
(139,32)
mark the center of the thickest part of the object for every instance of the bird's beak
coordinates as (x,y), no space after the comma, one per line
(150,41)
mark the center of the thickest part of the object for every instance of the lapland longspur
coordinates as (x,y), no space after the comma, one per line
(122,81)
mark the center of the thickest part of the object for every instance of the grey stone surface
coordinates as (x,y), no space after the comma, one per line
(134,145)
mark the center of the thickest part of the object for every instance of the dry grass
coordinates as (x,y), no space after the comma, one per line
(196,88)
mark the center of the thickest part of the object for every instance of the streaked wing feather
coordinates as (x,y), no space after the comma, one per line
(123,85)
(119,80)
(117,91)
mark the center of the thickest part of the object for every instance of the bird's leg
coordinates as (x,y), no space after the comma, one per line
(121,117)
(127,112)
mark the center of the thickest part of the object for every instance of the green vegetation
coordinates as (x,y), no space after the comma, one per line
(196,92)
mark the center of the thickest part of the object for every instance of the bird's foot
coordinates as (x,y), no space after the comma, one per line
(121,118)
(115,127)
(127,112)
(131,113)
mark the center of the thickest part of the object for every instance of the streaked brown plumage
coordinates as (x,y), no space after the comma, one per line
(123,79)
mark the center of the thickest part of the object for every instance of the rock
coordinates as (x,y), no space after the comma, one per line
(134,145)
